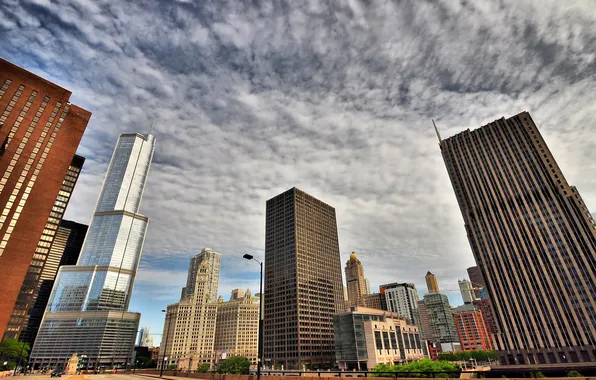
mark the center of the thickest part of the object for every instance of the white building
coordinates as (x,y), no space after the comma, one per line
(145,338)
(402,299)
(467,291)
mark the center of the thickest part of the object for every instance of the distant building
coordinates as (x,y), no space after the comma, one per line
(487,313)
(145,338)
(466,290)
(155,354)
(237,294)
(440,319)
(40,131)
(478,282)
(366,337)
(532,237)
(303,281)
(471,329)
(425,329)
(402,299)
(190,325)
(367,286)
(431,283)
(355,282)
(373,301)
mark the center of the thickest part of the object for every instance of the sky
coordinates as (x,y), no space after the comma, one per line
(335,98)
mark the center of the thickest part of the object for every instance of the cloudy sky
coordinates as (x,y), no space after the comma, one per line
(333,97)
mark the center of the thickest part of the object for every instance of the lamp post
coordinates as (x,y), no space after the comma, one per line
(260,341)
(165,348)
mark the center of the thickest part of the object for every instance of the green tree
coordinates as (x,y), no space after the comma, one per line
(420,368)
(204,367)
(447,356)
(574,374)
(235,365)
(12,350)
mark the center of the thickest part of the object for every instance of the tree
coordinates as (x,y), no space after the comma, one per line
(420,368)
(204,367)
(235,365)
(12,350)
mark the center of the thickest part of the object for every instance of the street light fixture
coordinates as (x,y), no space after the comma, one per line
(163,357)
(260,341)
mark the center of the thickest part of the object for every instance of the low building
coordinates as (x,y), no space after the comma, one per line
(373,301)
(154,353)
(366,337)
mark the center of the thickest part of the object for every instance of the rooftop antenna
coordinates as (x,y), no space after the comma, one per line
(153,123)
(437,130)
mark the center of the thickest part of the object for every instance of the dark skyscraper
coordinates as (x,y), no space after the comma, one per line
(533,240)
(303,282)
(39,135)
(47,259)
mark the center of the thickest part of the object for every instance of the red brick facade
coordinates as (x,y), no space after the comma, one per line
(39,135)
(472,331)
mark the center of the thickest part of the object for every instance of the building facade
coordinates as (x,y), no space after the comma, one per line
(45,267)
(483,305)
(366,337)
(440,320)
(471,329)
(373,301)
(478,282)
(355,281)
(190,325)
(402,299)
(39,135)
(145,338)
(467,291)
(528,230)
(87,311)
(65,250)
(431,283)
(303,282)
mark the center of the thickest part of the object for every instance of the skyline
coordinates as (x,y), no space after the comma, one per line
(359,123)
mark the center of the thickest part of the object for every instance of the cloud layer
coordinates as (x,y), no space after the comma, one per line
(253,98)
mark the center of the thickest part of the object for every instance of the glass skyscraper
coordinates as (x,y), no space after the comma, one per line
(87,311)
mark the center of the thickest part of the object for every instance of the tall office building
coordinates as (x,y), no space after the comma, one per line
(441,322)
(529,230)
(402,299)
(39,135)
(466,290)
(478,282)
(45,266)
(65,250)
(303,282)
(431,283)
(87,311)
(189,327)
(145,338)
(355,281)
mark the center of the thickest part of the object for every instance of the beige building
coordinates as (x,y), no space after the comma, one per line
(189,328)
(355,281)
(431,283)
(366,337)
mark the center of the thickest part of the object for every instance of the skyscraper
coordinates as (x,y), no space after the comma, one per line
(478,282)
(355,281)
(39,135)
(431,283)
(466,290)
(65,250)
(529,230)
(402,299)
(87,311)
(145,338)
(45,266)
(441,322)
(303,282)
(189,327)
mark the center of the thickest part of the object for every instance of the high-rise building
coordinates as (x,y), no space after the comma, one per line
(65,250)
(425,328)
(145,338)
(488,314)
(39,135)
(533,239)
(367,286)
(471,329)
(403,300)
(355,281)
(466,290)
(303,282)
(478,282)
(45,266)
(189,327)
(431,283)
(440,320)
(87,311)
(367,337)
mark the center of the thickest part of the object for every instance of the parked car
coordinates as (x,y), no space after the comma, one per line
(57,373)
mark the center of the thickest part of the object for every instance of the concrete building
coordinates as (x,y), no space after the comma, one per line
(190,325)
(533,239)
(366,337)
(431,283)
(478,282)
(145,338)
(65,249)
(373,301)
(39,135)
(355,282)
(426,331)
(303,282)
(466,290)
(487,313)
(87,310)
(471,328)
(440,320)
(367,283)
(402,299)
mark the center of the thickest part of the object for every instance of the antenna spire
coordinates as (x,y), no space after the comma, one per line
(437,130)
(153,123)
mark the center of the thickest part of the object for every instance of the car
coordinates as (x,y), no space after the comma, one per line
(57,373)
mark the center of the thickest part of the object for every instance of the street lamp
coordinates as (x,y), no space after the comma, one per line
(260,341)
(163,357)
